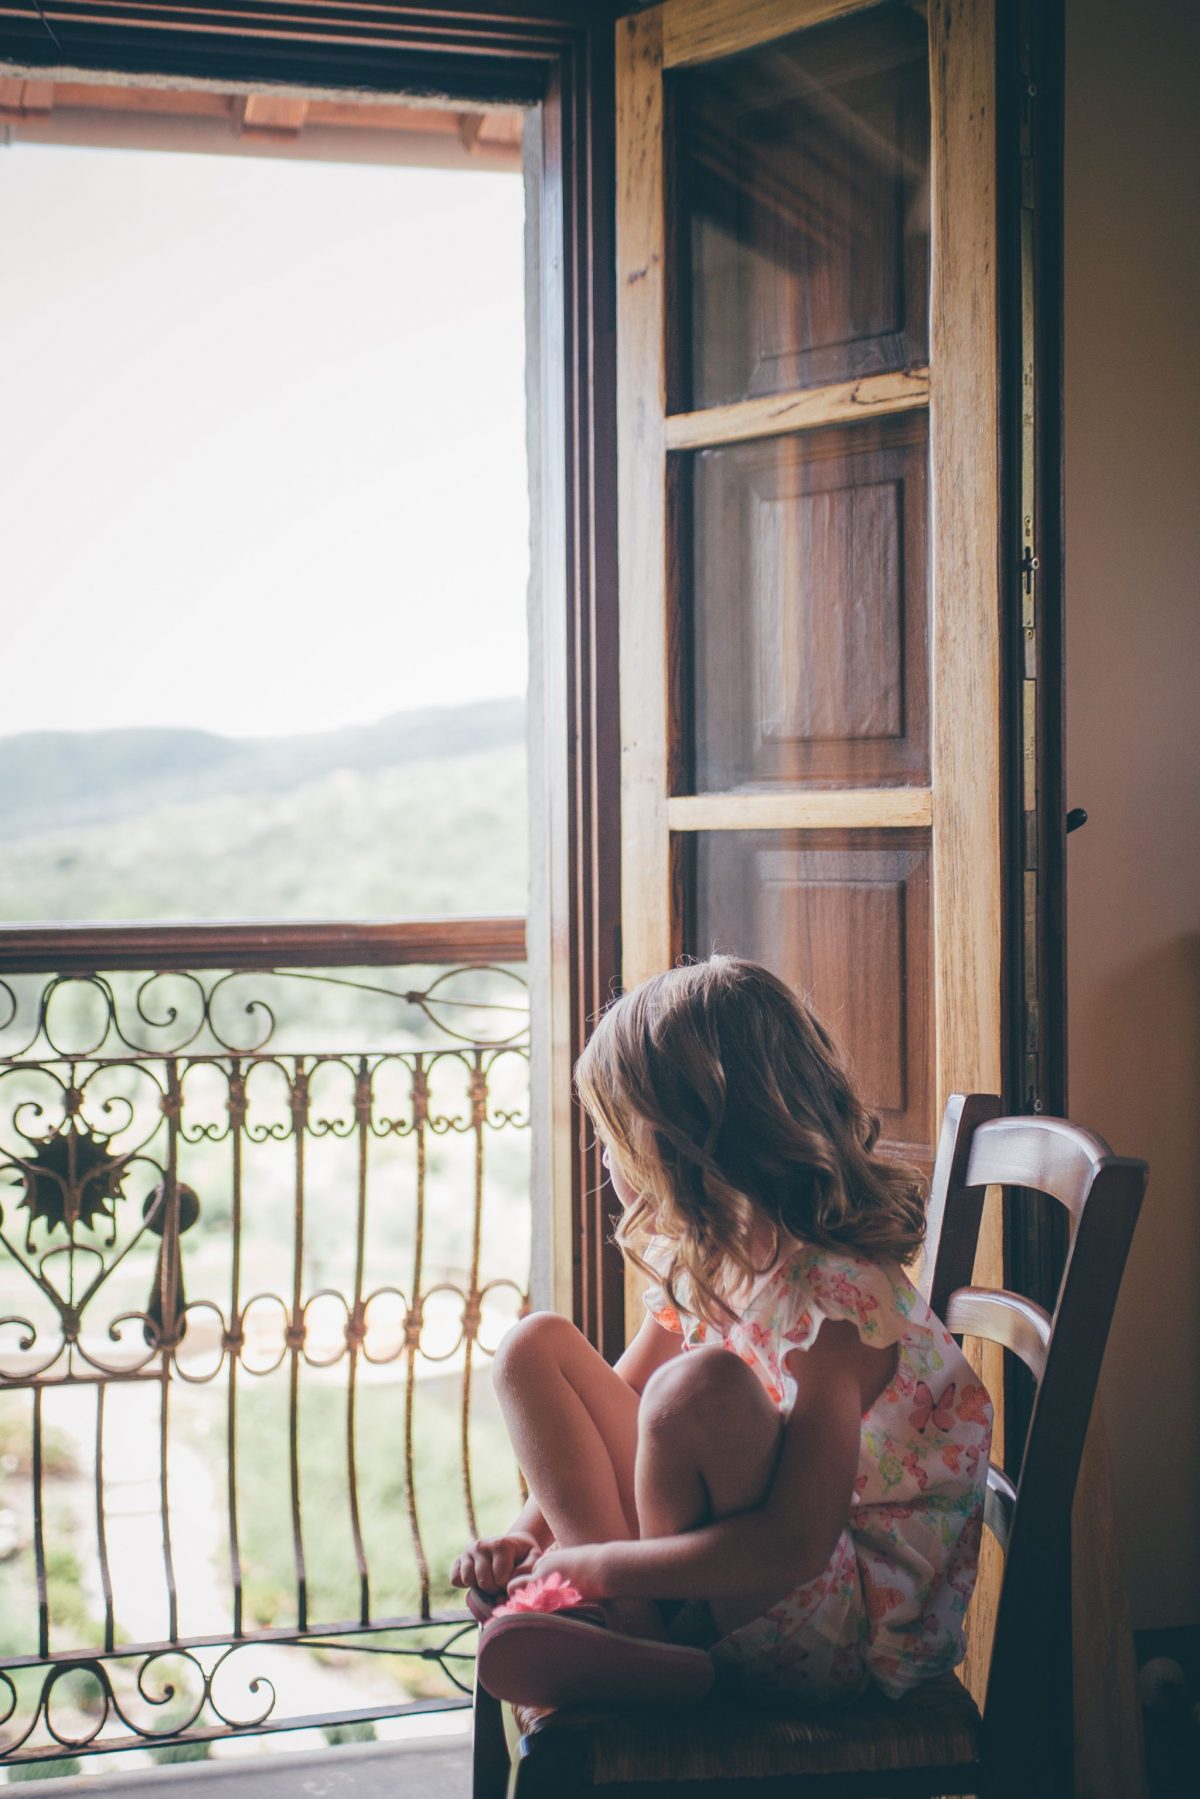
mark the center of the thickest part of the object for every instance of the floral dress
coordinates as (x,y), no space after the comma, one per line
(889,1608)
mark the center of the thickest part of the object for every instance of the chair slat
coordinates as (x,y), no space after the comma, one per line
(1000,1317)
(1000,1502)
(954,1211)
(1030,1665)
(1045,1154)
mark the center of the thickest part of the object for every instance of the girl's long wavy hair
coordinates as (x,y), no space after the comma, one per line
(727,1106)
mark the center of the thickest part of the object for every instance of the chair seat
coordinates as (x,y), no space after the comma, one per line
(938,1725)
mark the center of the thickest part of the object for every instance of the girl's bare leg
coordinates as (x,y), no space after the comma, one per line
(708,1444)
(573,1425)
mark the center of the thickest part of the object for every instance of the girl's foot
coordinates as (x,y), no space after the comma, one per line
(556,1659)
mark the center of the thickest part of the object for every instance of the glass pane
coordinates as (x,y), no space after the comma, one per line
(844,918)
(803,209)
(809,630)
(265,538)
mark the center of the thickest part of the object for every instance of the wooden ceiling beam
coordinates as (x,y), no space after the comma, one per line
(273,112)
(194,103)
(436,121)
(469,126)
(21,97)
(502,125)
(489,135)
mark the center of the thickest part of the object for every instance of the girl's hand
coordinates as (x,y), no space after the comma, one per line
(490,1562)
(583,1566)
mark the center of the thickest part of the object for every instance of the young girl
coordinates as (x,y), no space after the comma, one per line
(816,1496)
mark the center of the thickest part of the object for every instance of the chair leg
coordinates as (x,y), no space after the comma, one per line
(489,1759)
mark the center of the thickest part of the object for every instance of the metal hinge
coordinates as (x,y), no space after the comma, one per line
(1029,564)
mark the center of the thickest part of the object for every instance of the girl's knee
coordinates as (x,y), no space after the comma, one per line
(540,1341)
(708,1415)
(699,1387)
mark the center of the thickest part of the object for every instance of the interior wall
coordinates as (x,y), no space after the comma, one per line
(1132,400)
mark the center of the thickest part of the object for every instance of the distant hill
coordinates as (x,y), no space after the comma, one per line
(52,780)
(421,814)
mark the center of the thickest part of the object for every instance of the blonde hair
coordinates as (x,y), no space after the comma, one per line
(725,1104)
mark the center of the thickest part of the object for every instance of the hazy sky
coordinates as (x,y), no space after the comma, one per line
(262,459)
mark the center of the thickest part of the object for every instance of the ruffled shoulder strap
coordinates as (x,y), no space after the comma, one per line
(655,1298)
(876,1297)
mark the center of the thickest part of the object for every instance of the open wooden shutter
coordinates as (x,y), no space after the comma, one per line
(809,524)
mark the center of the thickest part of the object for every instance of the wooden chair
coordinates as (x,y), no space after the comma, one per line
(934,1741)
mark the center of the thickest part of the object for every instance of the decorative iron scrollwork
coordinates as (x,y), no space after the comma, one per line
(195,1688)
(166,1013)
(71,1178)
(136,1115)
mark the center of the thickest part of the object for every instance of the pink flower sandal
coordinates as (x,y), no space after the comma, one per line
(548,1648)
(553,1594)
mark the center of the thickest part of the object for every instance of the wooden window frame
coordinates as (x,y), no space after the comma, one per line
(558,55)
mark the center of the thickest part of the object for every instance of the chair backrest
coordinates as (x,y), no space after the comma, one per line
(1062,1350)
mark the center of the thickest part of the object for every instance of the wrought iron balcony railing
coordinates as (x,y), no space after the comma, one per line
(260,1228)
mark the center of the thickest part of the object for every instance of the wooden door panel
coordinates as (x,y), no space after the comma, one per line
(809,608)
(843,917)
(801,210)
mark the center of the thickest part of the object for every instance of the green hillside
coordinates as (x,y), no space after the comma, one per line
(443,834)
(51,779)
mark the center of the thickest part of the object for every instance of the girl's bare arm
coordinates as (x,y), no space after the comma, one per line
(651,1347)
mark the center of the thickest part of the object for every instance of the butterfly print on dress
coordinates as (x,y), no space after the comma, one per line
(941,1411)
